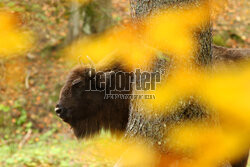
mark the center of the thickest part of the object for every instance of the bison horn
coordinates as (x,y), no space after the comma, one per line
(80,60)
(92,64)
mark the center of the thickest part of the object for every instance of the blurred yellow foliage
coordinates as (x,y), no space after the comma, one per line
(208,146)
(119,43)
(180,84)
(123,152)
(173,30)
(136,44)
(227,91)
(12,39)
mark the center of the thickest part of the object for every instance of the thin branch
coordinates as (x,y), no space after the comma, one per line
(27,80)
(230,54)
(25,139)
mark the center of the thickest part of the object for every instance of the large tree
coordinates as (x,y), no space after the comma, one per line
(155,128)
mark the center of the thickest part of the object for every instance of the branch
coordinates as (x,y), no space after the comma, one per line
(230,54)
(27,80)
(25,139)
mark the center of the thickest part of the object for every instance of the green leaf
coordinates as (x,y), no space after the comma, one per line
(18,9)
(11,4)
(4,108)
(219,40)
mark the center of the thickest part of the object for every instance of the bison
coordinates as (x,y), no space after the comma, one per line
(87,111)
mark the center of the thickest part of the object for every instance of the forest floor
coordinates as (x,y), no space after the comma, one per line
(29,110)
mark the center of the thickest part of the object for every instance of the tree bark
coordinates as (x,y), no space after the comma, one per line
(74,24)
(98,16)
(156,128)
(91,18)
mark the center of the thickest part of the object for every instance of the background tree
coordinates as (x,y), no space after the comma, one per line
(74,22)
(156,128)
(93,17)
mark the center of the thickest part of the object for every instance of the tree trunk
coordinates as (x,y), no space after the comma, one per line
(94,17)
(98,16)
(155,129)
(74,22)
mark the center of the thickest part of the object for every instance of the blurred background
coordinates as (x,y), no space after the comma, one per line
(30,132)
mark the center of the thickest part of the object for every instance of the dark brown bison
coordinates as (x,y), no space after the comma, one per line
(88,111)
